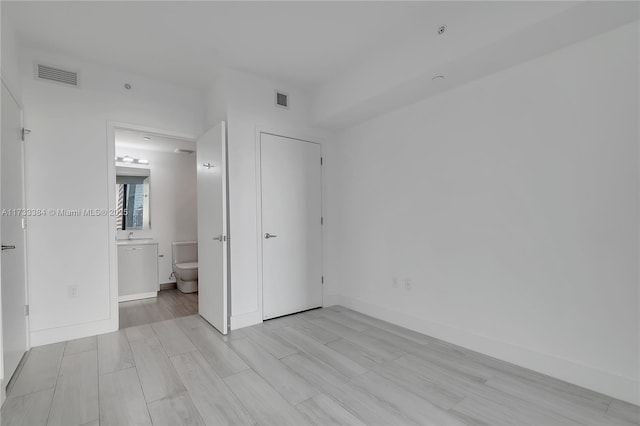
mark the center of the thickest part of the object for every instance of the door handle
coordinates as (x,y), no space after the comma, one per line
(8,247)
(220,238)
(268,235)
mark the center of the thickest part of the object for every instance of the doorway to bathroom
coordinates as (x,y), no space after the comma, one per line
(153,185)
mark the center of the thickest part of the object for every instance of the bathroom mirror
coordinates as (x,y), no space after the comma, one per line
(133,198)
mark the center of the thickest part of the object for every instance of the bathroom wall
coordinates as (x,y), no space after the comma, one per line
(173,194)
(66,168)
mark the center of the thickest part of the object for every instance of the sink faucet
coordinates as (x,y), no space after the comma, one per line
(131,235)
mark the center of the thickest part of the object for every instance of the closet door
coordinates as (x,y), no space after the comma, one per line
(291,185)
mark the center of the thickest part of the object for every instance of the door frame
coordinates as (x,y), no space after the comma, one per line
(112,126)
(4,380)
(289,134)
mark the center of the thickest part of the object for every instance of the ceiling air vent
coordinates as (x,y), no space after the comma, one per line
(282,99)
(183,151)
(58,75)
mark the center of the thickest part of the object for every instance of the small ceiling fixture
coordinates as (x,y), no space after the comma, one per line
(438,77)
(147,138)
(183,151)
(127,159)
(127,86)
(441,29)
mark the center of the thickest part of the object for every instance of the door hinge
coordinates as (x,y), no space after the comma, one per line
(321,161)
(322,221)
(322,279)
(26,310)
(23,133)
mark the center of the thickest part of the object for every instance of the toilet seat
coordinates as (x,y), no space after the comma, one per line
(187,265)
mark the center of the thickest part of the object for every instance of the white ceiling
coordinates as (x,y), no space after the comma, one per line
(129,139)
(307,43)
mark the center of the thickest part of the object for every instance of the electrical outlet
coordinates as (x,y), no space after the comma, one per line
(73,291)
(394,282)
(407,284)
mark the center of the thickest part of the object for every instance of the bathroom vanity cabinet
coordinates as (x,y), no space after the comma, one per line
(137,270)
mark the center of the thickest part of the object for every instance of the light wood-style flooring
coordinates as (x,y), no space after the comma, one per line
(169,304)
(322,367)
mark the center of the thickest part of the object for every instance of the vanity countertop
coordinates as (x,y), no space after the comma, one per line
(136,242)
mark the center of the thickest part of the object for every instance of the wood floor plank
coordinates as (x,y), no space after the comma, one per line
(624,411)
(81,345)
(262,401)
(345,320)
(324,411)
(139,332)
(393,339)
(582,410)
(121,399)
(210,394)
(452,381)
(190,322)
(131,314)
(75,401)
(405,333)
(486,408)
(271,342)
(157,375)
(40,370)
(114,352)
(221,357)
(356,353)
(173,339)
(290,385)
(169,304)
(407,379)
(336,360)
(320,334)
(370,344)
(419,410)
(175,410)
(364,406)
(31,409)
(274,324)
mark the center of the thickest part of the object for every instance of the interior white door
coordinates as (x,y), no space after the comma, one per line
(212,227)
(291,180)
(14,321)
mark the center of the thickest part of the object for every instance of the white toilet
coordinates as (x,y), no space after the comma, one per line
(185,265)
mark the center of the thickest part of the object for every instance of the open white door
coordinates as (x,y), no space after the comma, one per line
(291,180)
(212,227)
(14,320)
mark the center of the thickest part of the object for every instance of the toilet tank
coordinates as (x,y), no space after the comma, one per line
(184,251)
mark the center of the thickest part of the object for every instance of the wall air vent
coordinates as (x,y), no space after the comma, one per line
(45,72)
(183,151)
(282,99)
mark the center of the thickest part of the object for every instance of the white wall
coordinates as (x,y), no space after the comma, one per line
(9,57)
(67,162)
(173,194)
(250,106)
(512,205)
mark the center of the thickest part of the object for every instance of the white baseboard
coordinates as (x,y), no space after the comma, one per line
(616,386)
(245,320)
(61,334)
(137,296)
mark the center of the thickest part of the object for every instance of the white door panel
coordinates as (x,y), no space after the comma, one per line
(291,214)
(212,227)
(14,321)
